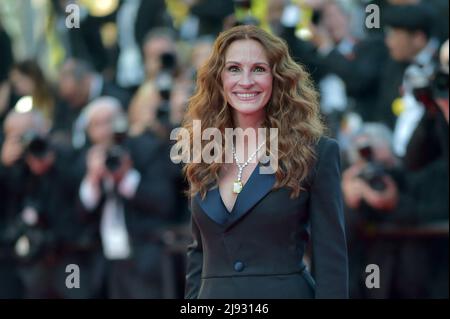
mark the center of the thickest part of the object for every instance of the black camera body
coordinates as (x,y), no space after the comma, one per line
(165,79)
(35,144)
(164,84)
(116,153)
(427,86)
(372,173)
(114,157)
(27,242)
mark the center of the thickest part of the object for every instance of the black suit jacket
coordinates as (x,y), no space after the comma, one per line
(256,251)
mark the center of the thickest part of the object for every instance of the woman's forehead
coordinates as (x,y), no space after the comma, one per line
(246,50)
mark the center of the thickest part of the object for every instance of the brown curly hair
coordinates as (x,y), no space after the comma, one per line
(293,108)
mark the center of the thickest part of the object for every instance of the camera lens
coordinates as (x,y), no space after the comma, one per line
(35,145)
(168,61)
(113,159)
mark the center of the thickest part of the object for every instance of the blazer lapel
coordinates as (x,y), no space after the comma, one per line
(213,206)
(257,186)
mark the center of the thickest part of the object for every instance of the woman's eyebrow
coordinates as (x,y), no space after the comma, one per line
(238,63)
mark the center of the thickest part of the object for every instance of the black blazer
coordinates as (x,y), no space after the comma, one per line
(256,251)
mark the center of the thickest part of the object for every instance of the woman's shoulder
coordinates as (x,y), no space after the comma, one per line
(325,143)
(326,154)
(324,147)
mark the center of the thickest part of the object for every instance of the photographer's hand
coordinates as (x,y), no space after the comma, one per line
(125,167)
(351,186)
(126,178)
(321,39)
(95,163)
(11,152)
(385,200)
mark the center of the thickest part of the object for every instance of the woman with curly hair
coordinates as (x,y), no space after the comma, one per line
(250,228)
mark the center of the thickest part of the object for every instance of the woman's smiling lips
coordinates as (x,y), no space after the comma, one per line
(246,96)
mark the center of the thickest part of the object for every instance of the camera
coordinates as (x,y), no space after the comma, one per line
(164,84)
(373,172)
(26,240)
(116,153)
(165,78)
(114,156)
(35,144)
(427,85)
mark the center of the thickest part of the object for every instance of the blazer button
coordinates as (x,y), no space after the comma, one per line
(239,266)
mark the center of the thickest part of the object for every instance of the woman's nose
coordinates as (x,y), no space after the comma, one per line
(247,79)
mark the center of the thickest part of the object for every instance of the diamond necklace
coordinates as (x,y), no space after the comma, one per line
(237,185)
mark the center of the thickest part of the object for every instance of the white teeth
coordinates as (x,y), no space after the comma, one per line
(246,95)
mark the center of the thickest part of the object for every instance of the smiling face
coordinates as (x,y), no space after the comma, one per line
(247,77)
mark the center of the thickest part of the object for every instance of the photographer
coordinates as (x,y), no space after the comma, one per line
(157,42)
(373,167)
(38,201)
(79,84)
(419,260)
(411,41)
(427,198)
(162,73)
(126,200)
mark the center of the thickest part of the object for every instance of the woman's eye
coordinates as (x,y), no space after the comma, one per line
(233,68)
(260,69)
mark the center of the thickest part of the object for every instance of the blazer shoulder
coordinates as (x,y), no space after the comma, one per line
(325,143)
(326,152)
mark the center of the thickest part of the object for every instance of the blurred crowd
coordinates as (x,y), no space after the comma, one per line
(85,173)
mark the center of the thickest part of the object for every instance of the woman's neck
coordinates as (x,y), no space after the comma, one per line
(252,121)
(244,122)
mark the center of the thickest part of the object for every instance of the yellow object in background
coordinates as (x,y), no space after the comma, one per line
(100,8)
(398,106)
(108,33)
(260,9)
(178,10)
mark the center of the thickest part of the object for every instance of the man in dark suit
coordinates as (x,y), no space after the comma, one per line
(85,42)
(356,60)
(40,198)
(413,266)
(339,61)
(11,286)
(78,85)
(411,40)
(126,200)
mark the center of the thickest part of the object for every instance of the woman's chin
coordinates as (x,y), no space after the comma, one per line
(248,109)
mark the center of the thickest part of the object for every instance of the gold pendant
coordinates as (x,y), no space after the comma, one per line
(237,187)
